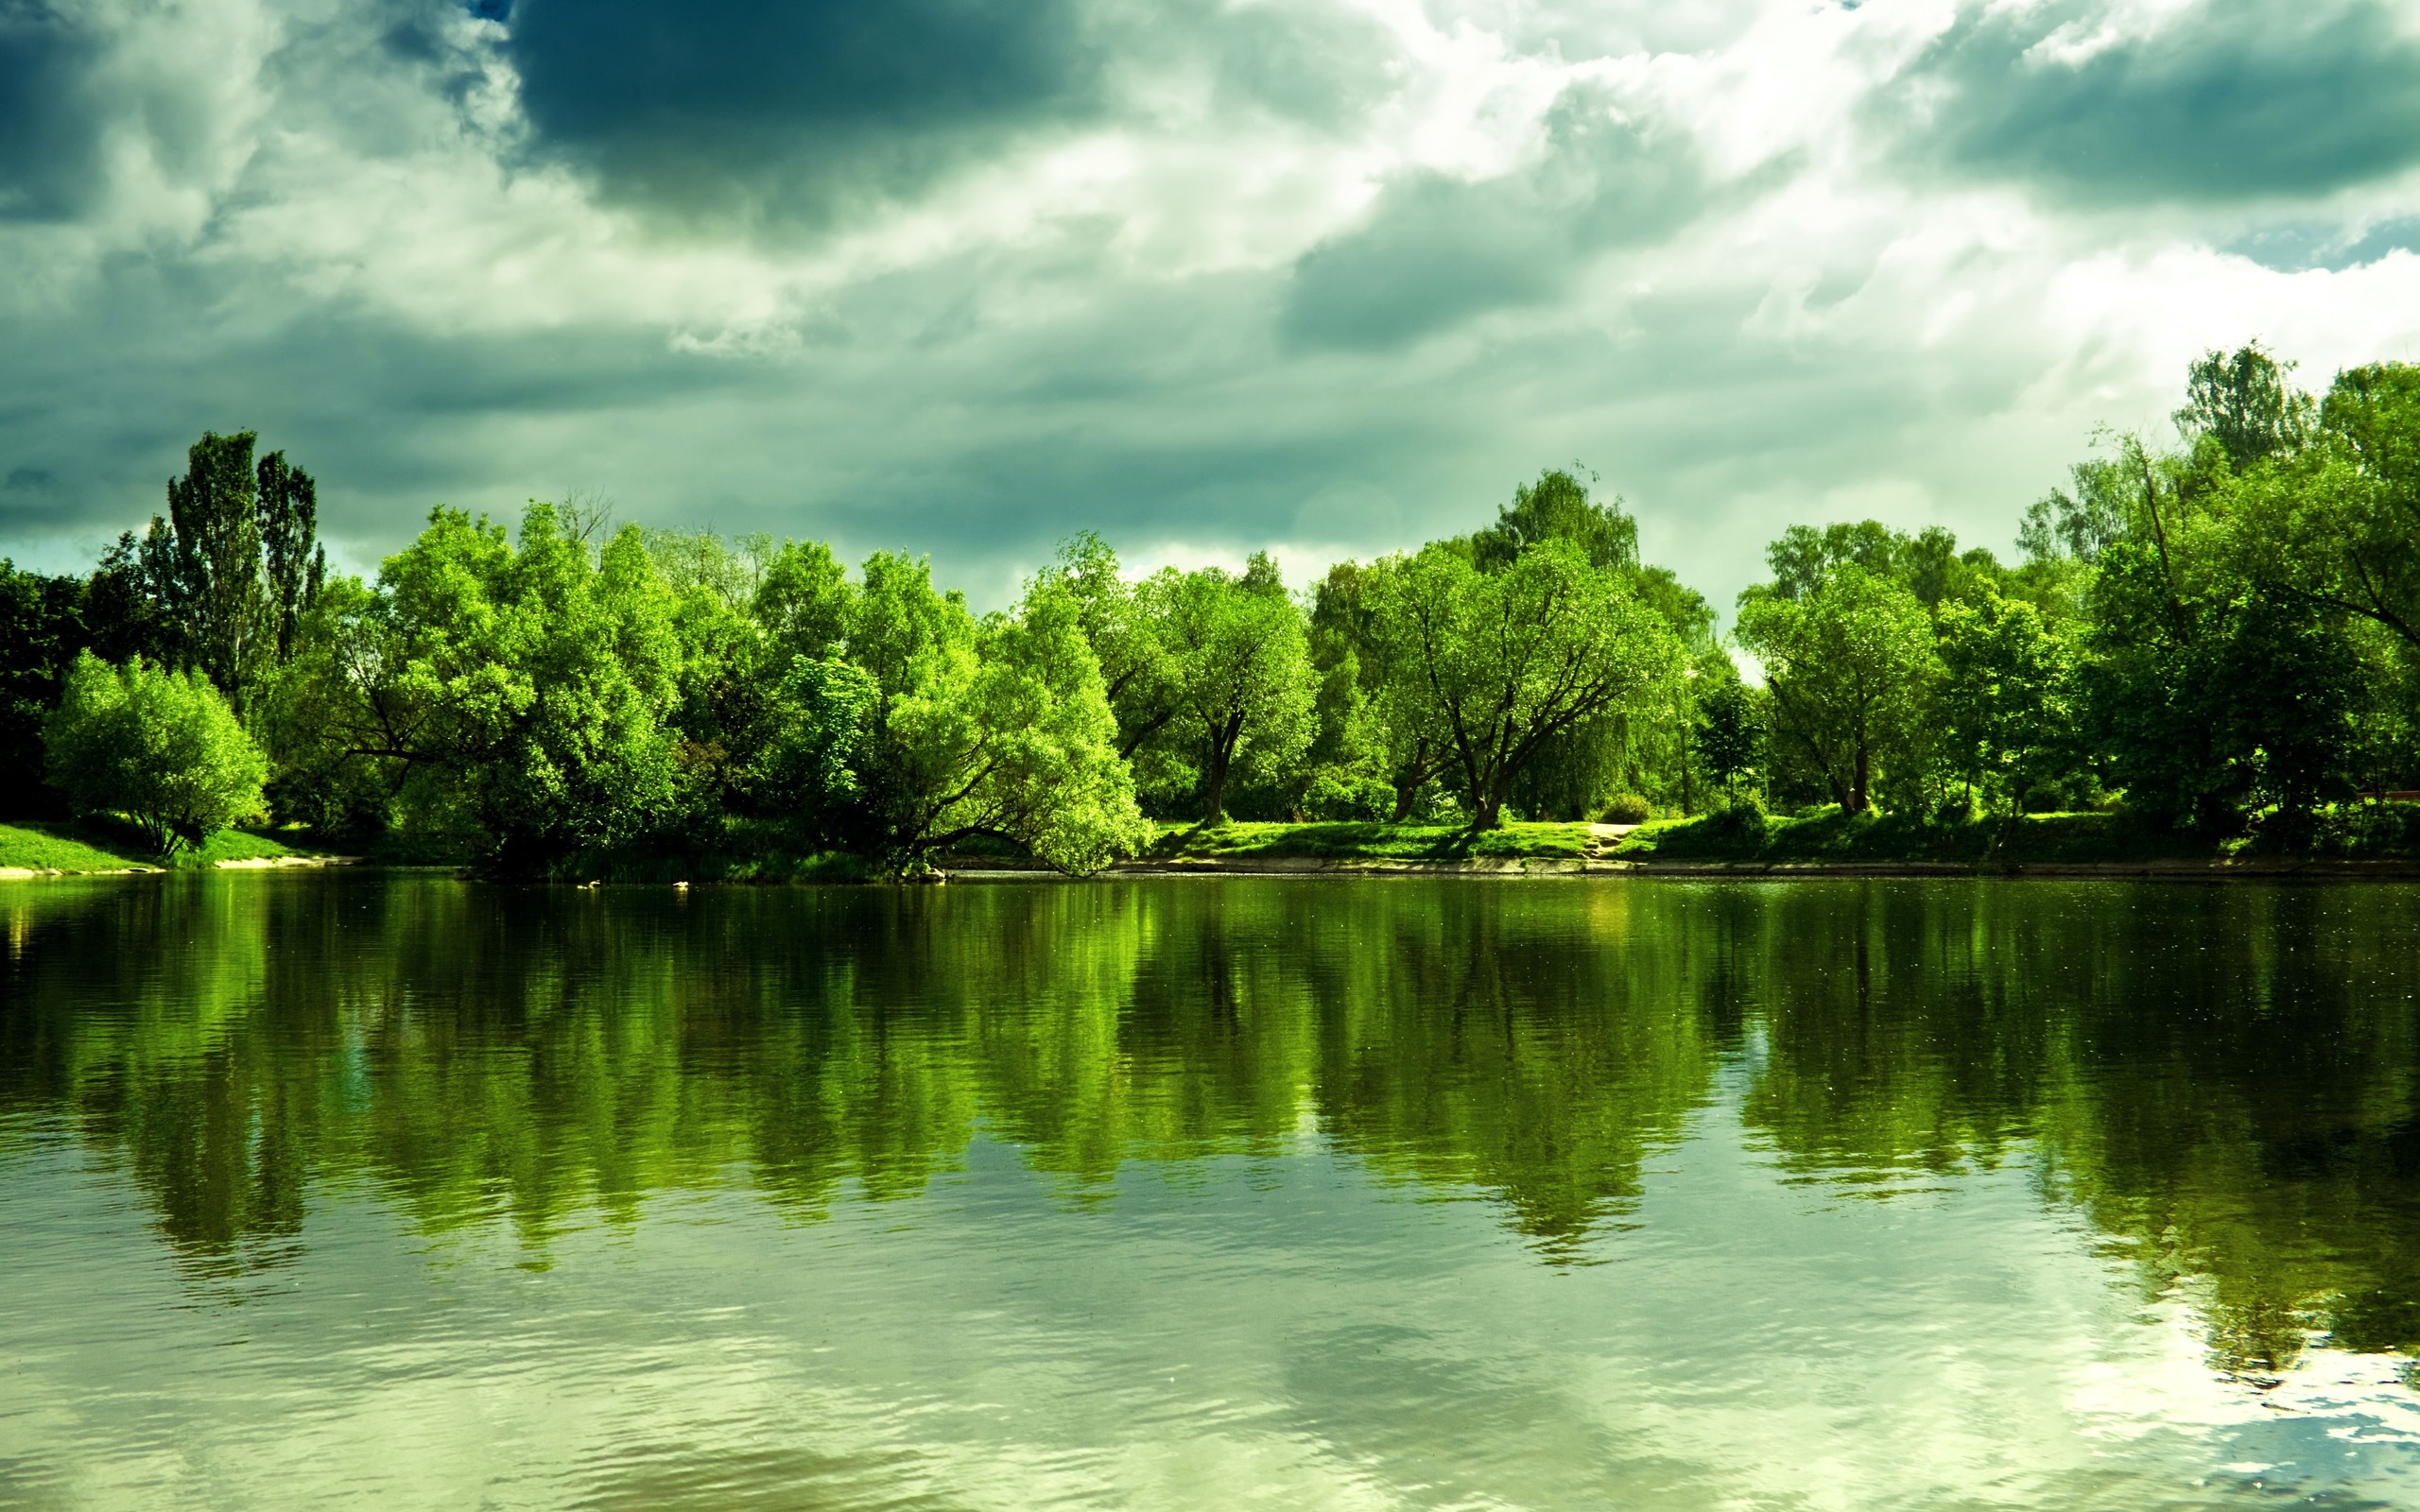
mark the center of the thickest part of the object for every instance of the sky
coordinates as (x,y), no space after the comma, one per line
(1327,277)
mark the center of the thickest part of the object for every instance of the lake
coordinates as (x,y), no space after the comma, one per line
(395,1190)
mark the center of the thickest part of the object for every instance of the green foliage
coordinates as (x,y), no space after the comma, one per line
(2005,697)
(1557,508)
(1627,808)
(1731,731)
(1123,623)
(803,602)
(159,747)
(2222,636)
(823,728)
(1337,792)
(1492,665)
(963,729)
(1367,726)
(222,582)
(519,697)
(1849,661)
(41,630)
(1238,676)
(2242,402)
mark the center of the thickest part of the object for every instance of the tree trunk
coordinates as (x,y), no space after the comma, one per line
(1488,810)
(1405,798)
(1222,755)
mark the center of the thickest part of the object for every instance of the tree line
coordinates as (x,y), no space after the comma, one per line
(2214,634)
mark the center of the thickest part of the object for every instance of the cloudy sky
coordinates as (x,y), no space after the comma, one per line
(1205,275)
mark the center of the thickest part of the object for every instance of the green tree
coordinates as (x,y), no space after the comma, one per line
(41,628)
(341,741)
(1731,731)
(525,691)
(1366,737)
(1000,728)
(802,601)
(2079,525)
(822,740)
(2244,402)
(203,563)
(1557,508)
(232,567)
(1239,675)
(1494,664)
(161,748)
(293,563)
(2005,697)
(220,583)
(2344,521)
(1123,623)
(1847,659)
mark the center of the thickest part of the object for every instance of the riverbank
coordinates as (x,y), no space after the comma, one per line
(30,849)
(2373,842)
(2368,844)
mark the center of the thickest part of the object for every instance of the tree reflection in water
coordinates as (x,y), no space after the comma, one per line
(2221,1079)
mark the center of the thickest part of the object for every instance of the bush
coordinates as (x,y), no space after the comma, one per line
(161,748)
(2045,797)
(1627,808)
(1739,820)
(2364,830)
(1340,794)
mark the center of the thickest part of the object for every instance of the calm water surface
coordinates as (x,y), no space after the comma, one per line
(400,1191)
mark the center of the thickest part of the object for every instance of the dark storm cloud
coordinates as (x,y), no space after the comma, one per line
(1436,250)
(781,105)
(2228,99)
(50,121)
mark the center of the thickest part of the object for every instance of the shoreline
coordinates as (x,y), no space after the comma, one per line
(990,868)
(2265,868)
(246,864)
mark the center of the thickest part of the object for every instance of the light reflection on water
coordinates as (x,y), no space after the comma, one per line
(400,1191)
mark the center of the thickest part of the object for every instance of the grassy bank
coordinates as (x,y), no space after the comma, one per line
(36,846)
(2353,831)
(751,852)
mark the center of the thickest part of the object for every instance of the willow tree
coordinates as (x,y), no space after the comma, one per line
(1494,665)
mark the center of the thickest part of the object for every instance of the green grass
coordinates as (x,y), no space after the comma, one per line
(1347,841)
(40,848)
(116,848)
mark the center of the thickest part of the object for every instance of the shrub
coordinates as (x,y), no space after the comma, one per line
(1627,808)
(1739,821)
(1337,792)
(161,748)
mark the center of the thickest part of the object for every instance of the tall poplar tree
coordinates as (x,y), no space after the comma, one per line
(230,569)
